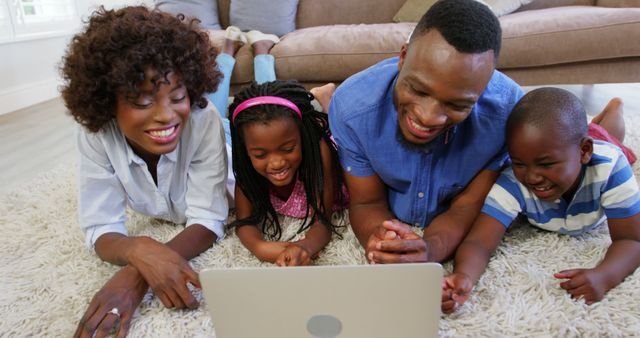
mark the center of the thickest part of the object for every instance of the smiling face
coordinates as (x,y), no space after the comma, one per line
(437,86)
(275,149)
(153,121)
(545,163)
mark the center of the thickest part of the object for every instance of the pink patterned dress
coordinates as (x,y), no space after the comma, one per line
(296,204)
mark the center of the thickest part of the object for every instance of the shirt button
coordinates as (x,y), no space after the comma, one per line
(348,168)
(421,194)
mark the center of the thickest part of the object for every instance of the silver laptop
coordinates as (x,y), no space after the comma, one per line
(359,301)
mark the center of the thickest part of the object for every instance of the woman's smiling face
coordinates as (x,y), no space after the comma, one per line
(153,121)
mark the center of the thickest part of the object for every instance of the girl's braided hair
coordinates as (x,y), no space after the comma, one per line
(313,126)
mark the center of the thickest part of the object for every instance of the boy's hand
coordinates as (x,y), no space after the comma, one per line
(583,283)
(124,292)
(294,255)
(456,289)
(166,272)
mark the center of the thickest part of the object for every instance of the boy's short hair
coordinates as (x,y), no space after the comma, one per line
(467,25)
(110,56)
(554,109)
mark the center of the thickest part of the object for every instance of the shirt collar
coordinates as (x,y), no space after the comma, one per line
(173,155)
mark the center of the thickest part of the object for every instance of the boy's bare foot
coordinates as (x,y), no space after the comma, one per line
(611,119)
(323,95)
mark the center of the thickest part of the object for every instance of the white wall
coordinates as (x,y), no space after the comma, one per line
(29,69)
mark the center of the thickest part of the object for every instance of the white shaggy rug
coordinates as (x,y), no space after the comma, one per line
(48,276)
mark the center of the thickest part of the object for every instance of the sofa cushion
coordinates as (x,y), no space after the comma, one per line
(502,7)
(539,4)
(264,16)
(205,10)
(413,10)
(333,53)
(568,34)
(312,13)
(618,3)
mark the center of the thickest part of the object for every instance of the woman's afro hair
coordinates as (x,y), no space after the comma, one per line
(110,56)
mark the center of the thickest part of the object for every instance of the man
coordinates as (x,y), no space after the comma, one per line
(421,137)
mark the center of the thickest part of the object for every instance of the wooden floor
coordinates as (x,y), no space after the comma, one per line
(35,139)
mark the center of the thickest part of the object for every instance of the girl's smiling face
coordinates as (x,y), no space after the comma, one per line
(153,121)
(275,149)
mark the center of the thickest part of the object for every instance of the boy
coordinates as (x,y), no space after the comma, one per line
(563,181)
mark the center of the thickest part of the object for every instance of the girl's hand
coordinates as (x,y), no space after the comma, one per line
(124,292)
(269,251)
(294,255)
(166,272)
(456,289)
(588,284)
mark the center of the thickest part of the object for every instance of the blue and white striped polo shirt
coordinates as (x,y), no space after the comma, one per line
(608,190)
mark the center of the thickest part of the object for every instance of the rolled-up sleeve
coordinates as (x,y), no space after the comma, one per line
(101,197)
(207,177)
(352,157)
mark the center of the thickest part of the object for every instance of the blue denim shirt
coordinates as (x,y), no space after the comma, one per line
(420,182)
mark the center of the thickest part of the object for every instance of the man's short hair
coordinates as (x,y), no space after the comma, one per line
(467,25)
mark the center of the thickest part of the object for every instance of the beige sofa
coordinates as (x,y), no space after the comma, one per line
(544,42)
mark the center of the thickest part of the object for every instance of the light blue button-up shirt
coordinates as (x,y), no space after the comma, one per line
(420,183)
(191,179)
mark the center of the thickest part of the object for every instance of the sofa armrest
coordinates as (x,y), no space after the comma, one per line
(313,13)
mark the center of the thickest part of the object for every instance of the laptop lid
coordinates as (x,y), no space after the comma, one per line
(359,301)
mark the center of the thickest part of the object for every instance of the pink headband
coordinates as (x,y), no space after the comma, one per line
(256,101)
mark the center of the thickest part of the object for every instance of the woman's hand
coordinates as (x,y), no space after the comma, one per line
(124,292)
(294,255)
(166,272)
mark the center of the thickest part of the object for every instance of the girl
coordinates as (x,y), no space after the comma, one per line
(135,81)
(285,162)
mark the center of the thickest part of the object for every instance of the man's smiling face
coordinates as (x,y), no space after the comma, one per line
(437,86)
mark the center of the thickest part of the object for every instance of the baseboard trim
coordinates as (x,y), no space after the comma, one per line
(28,95)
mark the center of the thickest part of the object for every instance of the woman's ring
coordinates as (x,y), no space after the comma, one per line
(115,312)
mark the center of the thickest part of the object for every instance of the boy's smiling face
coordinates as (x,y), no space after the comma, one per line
(153,121)
(545,163)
